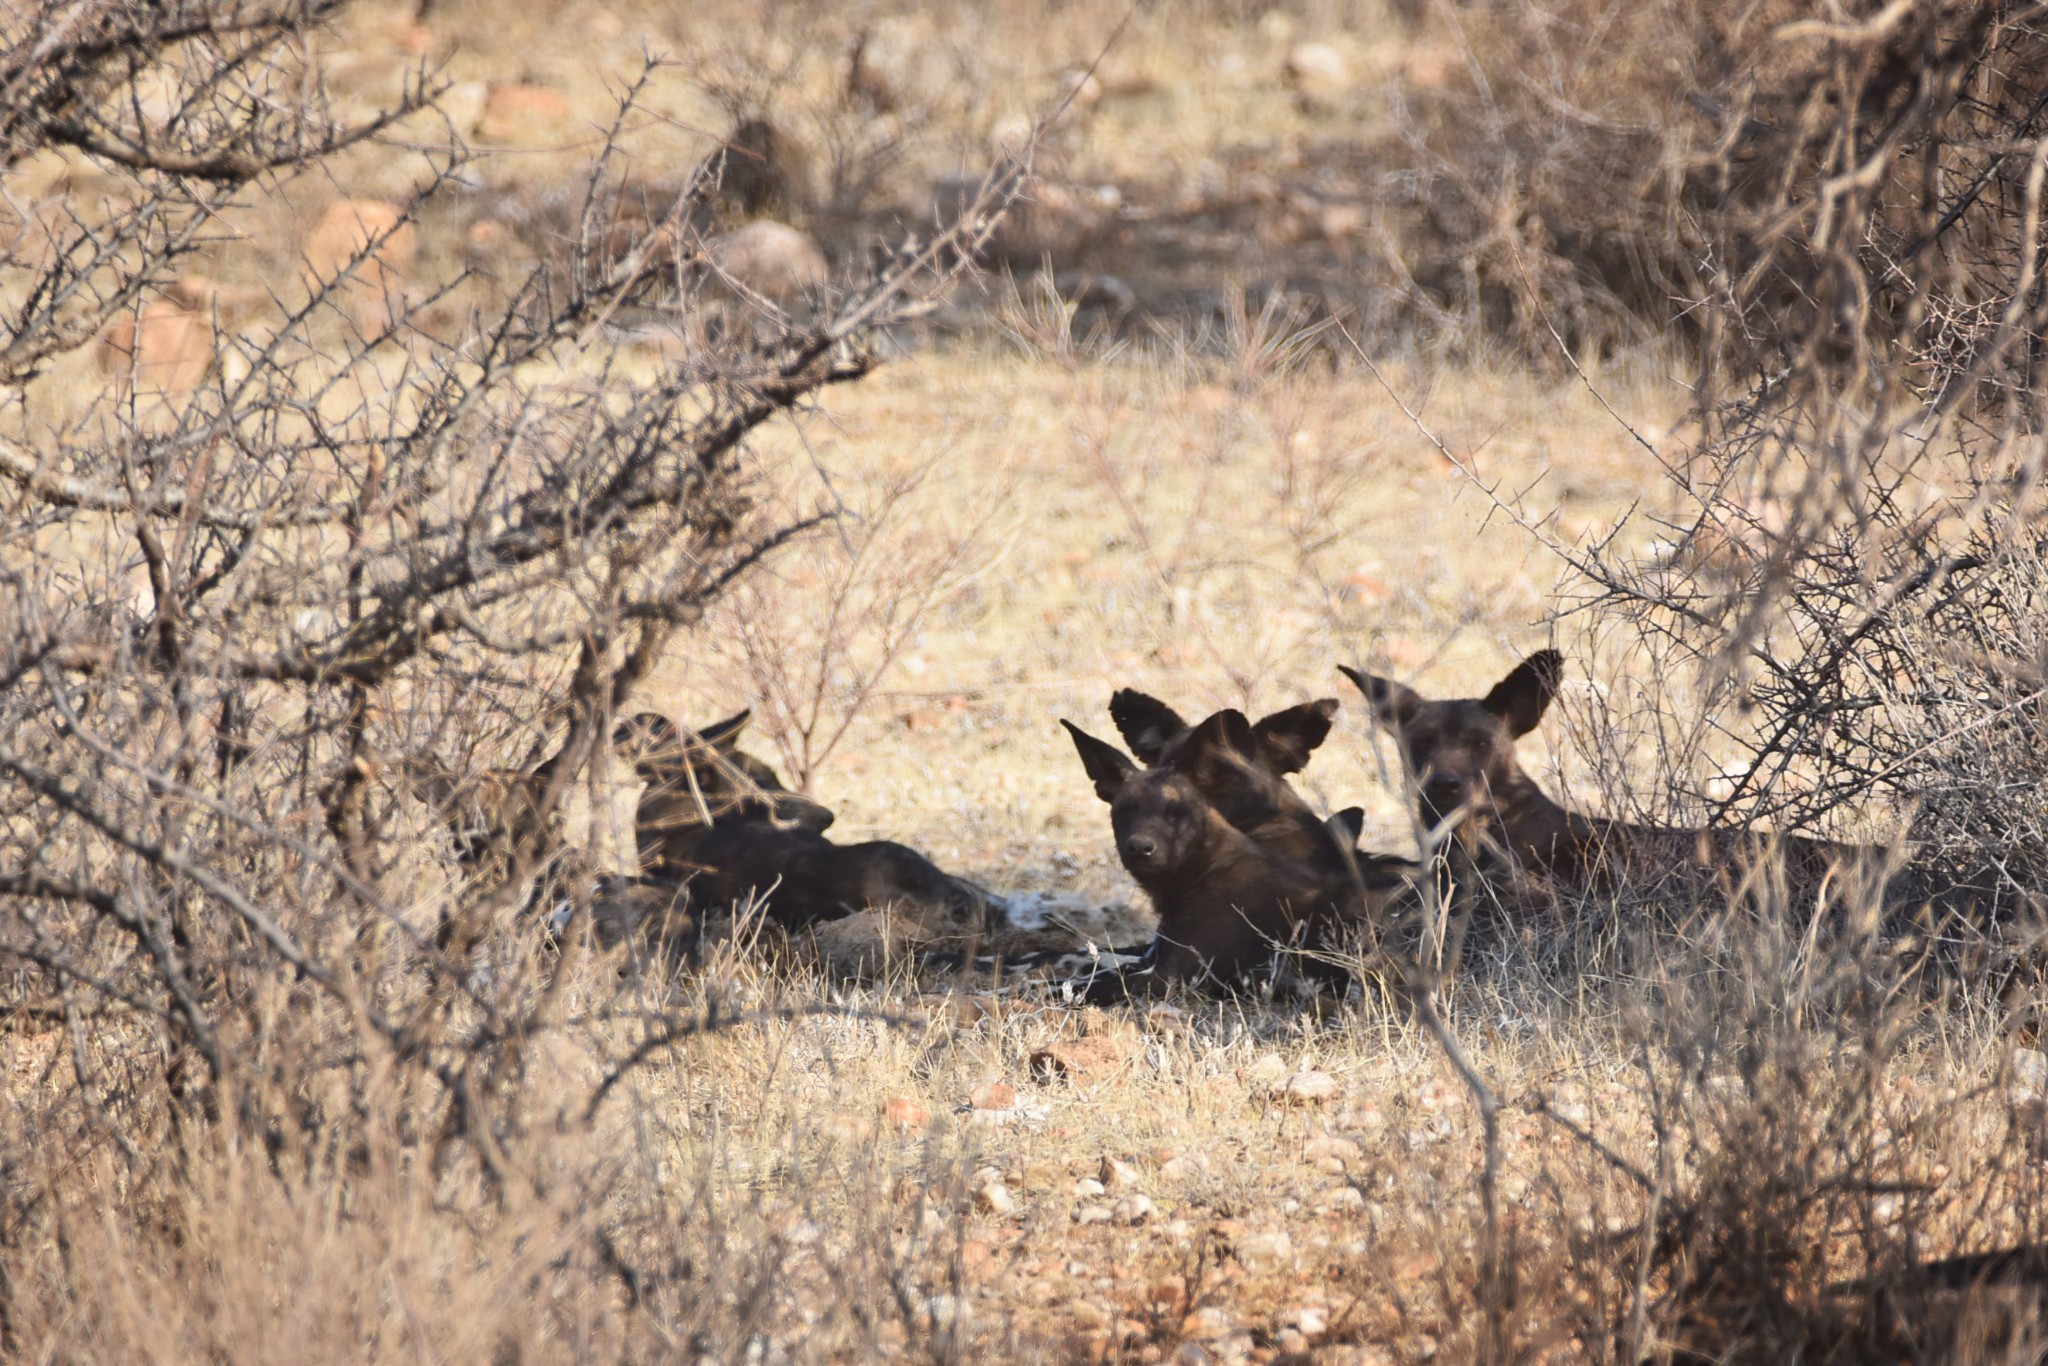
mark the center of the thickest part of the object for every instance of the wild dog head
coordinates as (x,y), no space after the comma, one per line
(1228,892)
(704,778)
(1165,823)
(1460,753)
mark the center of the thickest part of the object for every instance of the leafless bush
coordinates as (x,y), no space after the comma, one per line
(1545,157)
(1848,582)
(239,626)
(814,636)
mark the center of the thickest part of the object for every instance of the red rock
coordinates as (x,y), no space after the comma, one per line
(1084,1062)
(996,1095)
(522,113)
(905,1115)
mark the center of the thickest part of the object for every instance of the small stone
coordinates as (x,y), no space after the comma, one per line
(996,1095)
(514,113)
(1263,1247)
(905,1115)
(1116,1175)
(1269,1069)
(1094,1214)
(1345,1199)
(1309,1320)
(1416,1265)
(1317,68)
(1308,1088)
(1081,87)
(2030,1068)
(1572,1112)
(1134,1209)
(1210,1321)
(463,104)
(1088,1188)
(1083,1062)
(1344,1153)
(995,1198)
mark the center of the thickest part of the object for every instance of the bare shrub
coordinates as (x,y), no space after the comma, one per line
(1545,182)
(816,634)
(234,637)
(1846,582)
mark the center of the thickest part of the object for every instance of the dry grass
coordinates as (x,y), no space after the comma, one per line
(1217,529)
(1147,544)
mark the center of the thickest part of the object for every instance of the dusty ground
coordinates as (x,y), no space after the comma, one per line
(1211,545)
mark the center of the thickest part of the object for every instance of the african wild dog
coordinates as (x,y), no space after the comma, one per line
(1226,900)
(1255,798)
(722,819)
(699,778)
(1459,755)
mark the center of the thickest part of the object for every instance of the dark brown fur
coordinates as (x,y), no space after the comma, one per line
(1471,790)
(1254,795)
(698,778)
(723,820)
(1225,896)
(1280,743)
(651,915)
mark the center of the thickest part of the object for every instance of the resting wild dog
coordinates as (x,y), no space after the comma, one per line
(1281,744)
(1460,756)
(1224,898)
(723,820)
(701,778)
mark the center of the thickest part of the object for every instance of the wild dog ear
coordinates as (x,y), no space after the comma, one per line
(1284,740)
(1145,722)
(725,734)
(1393,704)
(1524,695)
(1109,766)
(1348,824)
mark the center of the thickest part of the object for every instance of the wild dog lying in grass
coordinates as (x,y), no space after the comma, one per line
(722,820)
(1459,755)
(1228,897)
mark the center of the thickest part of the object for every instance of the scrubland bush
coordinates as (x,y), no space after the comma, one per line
(271,1039)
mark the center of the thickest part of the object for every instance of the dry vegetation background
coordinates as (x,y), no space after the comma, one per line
(1410,335)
